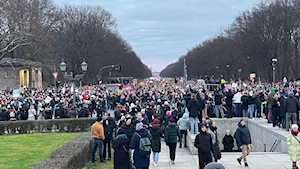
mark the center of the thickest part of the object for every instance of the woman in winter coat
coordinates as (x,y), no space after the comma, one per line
(293,142)
(121,151)
(183,124)
(108,131)
(228,142)
(157,133)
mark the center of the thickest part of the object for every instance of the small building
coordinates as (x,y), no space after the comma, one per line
(15,73)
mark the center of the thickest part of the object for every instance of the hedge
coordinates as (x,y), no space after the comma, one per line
(72,155)
(40,126)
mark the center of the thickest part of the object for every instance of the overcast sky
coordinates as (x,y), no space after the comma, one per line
(160,31)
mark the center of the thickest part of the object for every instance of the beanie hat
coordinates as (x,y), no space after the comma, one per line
(4,108)
(214,166)
(168,113)
(99,118)
(155,121)
(139,126)
(272,90)
(291,93)
(171,120)
(121,131)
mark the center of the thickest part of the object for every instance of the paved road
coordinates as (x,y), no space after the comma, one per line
(256,160)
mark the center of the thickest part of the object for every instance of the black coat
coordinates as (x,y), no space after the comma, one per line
(292,105)
(203,142)
(228,143)
(242,136)
(129,130)
(121,153)
(194,108)
(157,134)
(108,131)
(4,116)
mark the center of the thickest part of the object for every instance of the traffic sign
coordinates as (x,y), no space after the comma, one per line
(55,75)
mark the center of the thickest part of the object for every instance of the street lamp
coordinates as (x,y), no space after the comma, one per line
(70,77)
(227,66)
(116,67)
(239,71)
(274,61)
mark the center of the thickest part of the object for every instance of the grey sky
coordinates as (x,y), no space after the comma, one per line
(160,31)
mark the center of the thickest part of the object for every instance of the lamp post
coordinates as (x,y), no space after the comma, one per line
(70,77)
(117,67)
(227,66)
(239,71)
(274,61)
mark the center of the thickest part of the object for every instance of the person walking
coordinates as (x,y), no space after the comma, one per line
(141,144)
(228,142)
(98,135)
(108,132)
(157,133)
(183,124)
(203,143)
(292,108)
(243,140)
(121,150)
(237,101)
(216,148)
(194,109)
(171,134)
(293,142)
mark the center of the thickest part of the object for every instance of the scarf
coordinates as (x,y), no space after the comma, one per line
(122,136)
(294,133)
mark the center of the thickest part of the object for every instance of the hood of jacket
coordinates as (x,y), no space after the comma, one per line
(239,125)
(172,125)
(143,132)
(155,128)
(185,116)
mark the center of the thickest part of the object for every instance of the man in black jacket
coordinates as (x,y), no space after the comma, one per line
(243,141)
(203,143)
(194,109)
(292,109)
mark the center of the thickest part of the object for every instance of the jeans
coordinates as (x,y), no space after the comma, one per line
(194,125)
(251,108)
(155,157)
(288,118)
(229,111)
(259,109)
(172,147)
(219,109)
(97,144)
(238,109)
(107,145)
(183,132)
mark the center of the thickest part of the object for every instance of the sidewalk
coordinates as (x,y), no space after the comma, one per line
(256,160)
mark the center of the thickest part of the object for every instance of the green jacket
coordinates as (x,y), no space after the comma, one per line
(294,147)
(171,133)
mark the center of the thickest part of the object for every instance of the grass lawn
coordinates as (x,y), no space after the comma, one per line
(97,165)
(24,150)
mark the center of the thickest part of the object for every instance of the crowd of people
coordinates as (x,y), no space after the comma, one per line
(159,110)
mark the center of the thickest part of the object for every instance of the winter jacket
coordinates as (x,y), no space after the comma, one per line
(215,146)
(203,142)
(242,136)
(157,134)
(229,96)
(108,131)
(244,102)
(294,147)
(121,152)
(171,133)
(292,105)
(228,143)
(184,122)
(129,130)
(98,131)
(4,116)
(275,107)
(282,106)
(73,113)
(139,161)
(194,108)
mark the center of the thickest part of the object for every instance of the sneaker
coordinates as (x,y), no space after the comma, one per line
(239,161)
(185,146)
(173,162)
(155,165)
(246,164)
(180,146)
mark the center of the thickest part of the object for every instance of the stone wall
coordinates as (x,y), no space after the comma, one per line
(262,135)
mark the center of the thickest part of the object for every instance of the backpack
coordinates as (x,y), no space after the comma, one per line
(144,146)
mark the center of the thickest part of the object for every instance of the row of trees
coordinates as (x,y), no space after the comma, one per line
(39,30)
(268,30)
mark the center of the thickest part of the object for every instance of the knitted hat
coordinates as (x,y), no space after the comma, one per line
(171,120)
(155,121)
(139,126)
(168,113)
(214,166)
(4,108)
